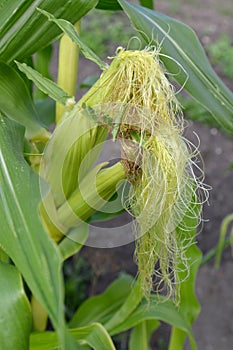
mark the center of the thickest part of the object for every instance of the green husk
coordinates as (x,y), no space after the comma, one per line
(137,103)
(97,187)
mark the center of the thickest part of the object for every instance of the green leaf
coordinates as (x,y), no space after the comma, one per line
(15,100)
(24,30)
(3,256)
(69,30)
(180,47)
(74,240)
(44,84)
(15,321)
(130,304)
(159,309)
(46,111)
(22,235)
(141,334)
(101,308)
(43,341)
(42,65)
(111,5)
(147,3)
(189,305)
(95,335)
(47,341)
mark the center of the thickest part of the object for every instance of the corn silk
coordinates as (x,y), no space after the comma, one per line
(135,100)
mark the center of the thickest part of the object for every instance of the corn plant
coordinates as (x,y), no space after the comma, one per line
(53,189)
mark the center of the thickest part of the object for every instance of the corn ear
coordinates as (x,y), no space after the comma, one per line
(77,139)
(134,96)
(97,187)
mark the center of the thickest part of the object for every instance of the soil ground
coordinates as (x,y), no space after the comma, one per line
(213,329)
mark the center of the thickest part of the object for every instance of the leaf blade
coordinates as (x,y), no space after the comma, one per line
(14,331)
(94,335)
(101,308)
(26,22)
(17,103)
(22,234)
(180,43)
(159,310)
(141,334)
(69,30)
(44,84)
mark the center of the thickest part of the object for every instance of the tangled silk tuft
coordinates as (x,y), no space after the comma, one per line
(139,101)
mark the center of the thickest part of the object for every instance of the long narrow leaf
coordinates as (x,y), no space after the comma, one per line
(94,335)
(24,30)
(141,334)
(127,308)
(73,242)
(69,29)
(15,100)
(101,308)
(22,234)
(15,310)
(179,42)
(44,84)
(162,311)
(47,341)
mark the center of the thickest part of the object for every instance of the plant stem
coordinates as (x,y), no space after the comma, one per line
(212,252)
(39,315)
(67,68)
(177,340)
(223,231)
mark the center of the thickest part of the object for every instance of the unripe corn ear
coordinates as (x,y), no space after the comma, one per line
(96,188)
(66,164)
(135,77)
(94,191)
(136,96)
(73,140)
